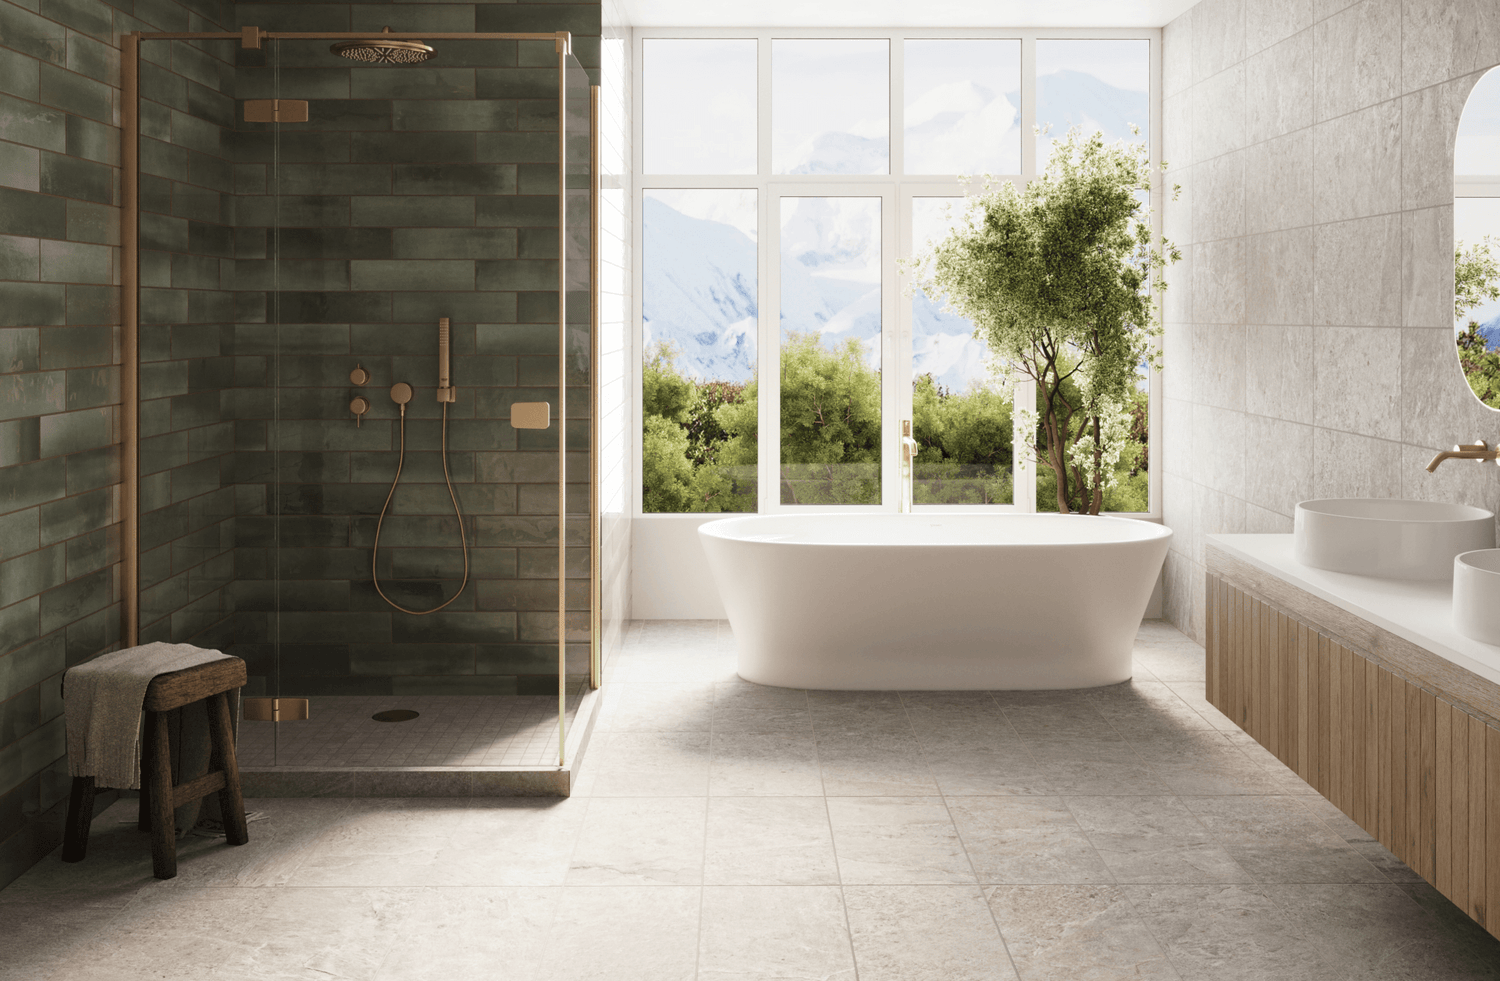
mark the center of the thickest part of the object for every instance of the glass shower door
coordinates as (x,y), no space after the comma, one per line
(412,196)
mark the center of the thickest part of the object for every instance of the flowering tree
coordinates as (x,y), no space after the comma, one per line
(1057,278)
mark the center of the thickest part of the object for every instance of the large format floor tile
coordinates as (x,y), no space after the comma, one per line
(725,831)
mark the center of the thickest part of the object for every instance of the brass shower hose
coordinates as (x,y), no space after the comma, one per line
(400,461)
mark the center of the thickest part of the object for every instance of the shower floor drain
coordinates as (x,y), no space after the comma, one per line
(395,715)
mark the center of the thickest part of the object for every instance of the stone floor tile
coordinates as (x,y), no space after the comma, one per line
(1067,932)
(645,764)
(274,932)
(874,764)
(764,763)
(1089,778)
(897,840)
(622,933)
(466,932)
(925,933)
(935,712)
(42,939)
(1230,933)
(375,842)
(1024,841)
(740,706)
(118,864)
(1142,707)
(513,842)
(656,708)
(640,841)
(1153,839)
(772,933)
(835,712)
(763,841)
(1380,933)
(1102,747)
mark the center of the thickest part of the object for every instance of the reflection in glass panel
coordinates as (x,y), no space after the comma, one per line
(1478,330)
(830,350)
(698,98)
(699,315)
(961,418)
(1477,149)
(830,106)
(963,106)
(1099,85)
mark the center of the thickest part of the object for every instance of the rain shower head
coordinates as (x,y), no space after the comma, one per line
(383,51)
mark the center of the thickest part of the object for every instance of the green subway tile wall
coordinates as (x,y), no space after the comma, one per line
(60,414)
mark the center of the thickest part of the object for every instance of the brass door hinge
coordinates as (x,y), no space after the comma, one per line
(275,709)
(275,110)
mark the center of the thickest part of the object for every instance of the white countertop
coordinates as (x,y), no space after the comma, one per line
(1415,611)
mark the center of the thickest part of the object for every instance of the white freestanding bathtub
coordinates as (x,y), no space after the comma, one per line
(902,602)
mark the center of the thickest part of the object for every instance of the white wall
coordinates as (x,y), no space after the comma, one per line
(1309,340)
(616,478)
(670,575)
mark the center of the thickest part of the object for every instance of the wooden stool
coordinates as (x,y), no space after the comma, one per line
(160,797)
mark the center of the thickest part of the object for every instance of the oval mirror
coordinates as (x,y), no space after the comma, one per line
(1476,237)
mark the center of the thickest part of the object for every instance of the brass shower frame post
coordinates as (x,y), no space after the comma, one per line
(563,48)
(252,37)
(596,654)
(130,342)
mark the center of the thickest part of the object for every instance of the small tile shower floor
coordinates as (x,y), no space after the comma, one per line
(450,730)
(725,831)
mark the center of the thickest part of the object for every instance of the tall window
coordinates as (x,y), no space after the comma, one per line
(789,173)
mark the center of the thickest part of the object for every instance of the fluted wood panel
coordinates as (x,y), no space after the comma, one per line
(1411,767)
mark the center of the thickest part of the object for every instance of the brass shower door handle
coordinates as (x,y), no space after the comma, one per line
(531,415)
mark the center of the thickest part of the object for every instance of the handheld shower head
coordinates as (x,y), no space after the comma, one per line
(445,391)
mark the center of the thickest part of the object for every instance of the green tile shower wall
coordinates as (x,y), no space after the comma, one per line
(59,368)
(410,194)
(187,372)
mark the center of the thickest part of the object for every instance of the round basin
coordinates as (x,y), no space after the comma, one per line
(1388,539)
(1476,595)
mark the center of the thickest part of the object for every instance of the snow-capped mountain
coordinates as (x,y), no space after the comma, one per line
(699,289)
(698,292)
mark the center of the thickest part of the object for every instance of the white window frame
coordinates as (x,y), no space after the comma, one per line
(896,190)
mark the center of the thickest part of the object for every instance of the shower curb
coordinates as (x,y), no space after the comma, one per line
(431,781)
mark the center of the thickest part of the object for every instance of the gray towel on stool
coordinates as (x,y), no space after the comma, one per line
(103,703)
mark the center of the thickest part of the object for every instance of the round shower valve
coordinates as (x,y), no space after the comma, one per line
(359,376)
(359,406)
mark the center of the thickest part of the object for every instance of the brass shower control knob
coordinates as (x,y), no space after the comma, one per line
(359,376)
(359,406)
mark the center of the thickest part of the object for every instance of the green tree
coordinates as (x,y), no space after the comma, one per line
(1057,277)
(1476,280)
(682,441)
(830,423)
(965,444)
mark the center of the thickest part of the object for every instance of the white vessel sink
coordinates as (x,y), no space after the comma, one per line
(1476,595)
(1389,539)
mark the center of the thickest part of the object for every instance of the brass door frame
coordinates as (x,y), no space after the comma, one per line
(252,37)
(596,612)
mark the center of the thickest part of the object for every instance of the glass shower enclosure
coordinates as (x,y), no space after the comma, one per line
(357,319)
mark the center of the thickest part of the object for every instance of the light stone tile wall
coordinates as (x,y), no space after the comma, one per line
(1309,346)
(615,458)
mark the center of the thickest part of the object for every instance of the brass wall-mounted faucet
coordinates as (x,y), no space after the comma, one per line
(1466,451)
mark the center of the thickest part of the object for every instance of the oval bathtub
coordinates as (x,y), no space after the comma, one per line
(902,602)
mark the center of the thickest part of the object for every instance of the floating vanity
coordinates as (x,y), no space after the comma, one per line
(1366,690)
